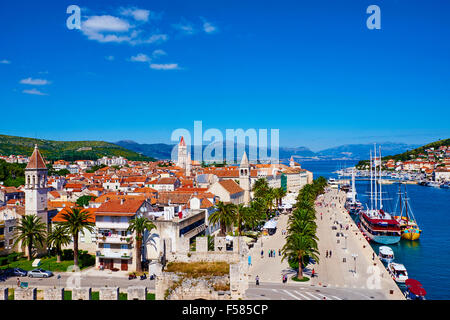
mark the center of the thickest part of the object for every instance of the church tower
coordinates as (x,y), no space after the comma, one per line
(292,162)
(184,157)
(36,186)
(244,178)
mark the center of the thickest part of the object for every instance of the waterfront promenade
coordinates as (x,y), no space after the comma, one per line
(336,274)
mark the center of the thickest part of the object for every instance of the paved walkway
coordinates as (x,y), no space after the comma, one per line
(353,263)
(370,281)
(270,269)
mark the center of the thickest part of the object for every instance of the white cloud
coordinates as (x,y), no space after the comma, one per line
(109,58)
(166,66)
(185,27)
(35,82)
(158,53)
(208,27)
(35,92)
(105,23)
(140,57)
(137,14)
(5,62)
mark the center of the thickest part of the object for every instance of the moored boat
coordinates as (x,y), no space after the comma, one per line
(398,272)
(386,254)
(414,290)
(377,224)
(408,225)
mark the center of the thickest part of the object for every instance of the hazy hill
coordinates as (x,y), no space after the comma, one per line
(362,151)
(350,151)
(66,150)
(414,152)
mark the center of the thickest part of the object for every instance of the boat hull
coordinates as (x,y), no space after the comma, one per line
(385,239)
(411,234)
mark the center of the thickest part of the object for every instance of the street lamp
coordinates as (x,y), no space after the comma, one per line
(354,255)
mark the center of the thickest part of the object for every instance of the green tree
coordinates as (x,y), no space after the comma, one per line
(299,246)
(260,187)
(225,215)
(83,201)
(77,220)
(57,238)
(139,225)
(30,231)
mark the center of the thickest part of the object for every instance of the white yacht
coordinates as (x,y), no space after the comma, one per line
(386,254)
(398,272)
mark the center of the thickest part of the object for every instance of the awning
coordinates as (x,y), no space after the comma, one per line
(271,224)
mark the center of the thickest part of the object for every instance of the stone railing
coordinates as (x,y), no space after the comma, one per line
(106,293)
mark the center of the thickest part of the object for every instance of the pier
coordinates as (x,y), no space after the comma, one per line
(353,263)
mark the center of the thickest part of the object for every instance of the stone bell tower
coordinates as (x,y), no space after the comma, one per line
(244,178)
(36,186)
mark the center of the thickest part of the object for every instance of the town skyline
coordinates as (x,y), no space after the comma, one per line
(141,70)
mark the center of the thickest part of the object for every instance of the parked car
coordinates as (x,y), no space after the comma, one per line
(19,272)
(40,273)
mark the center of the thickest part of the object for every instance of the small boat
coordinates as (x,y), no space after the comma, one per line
(386,254)
(408,224)
(414,290)
(398,272)
(445,186)
(434,184)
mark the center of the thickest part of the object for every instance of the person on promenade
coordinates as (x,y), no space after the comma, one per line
(18,282)
(326,255)
(249,261)
(373,256)
(257,280)
(262,253)
(279,252)
(313,273)
(330,253)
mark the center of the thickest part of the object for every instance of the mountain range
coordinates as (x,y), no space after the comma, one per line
(347,152)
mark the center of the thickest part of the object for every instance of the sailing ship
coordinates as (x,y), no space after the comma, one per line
(375,223)
(352,205)
(408,225)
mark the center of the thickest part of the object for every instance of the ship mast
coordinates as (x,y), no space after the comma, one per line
(381,204)
(371,182)
(375,176)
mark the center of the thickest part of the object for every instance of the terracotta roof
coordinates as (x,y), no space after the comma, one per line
(182,143)
(36,161)
(230,186)
(174,197)
(59,217)
(123,206)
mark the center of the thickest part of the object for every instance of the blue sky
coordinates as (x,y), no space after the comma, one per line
(312,69)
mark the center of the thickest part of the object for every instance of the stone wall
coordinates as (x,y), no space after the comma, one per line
(25,294)
(137,293)
(109,293)
(4,294)
(170,286)
(81,294)
(201,244)
(54,294)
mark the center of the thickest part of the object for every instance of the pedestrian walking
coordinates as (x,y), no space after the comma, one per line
(18,282)
(373,255)
(279,252)
(262,253)
(330,253)
(257,280)
(326,256)
(249,261)
(313,273)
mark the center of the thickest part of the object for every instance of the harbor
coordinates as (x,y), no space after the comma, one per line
(426,259)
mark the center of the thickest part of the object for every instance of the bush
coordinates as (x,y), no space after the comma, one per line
(3,261)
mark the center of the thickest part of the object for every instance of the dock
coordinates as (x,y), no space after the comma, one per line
(353,263)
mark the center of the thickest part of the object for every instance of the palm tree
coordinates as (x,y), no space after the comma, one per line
(260,187)
(139,225)
(58,237)
(30,231)
(297,247)
(279,194)
(269,197)
(76,220)
(225,215)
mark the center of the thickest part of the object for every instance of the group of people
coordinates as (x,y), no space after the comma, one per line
(328,254)
(271,253)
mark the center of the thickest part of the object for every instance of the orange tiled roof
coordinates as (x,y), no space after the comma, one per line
(123,207)
(59,217)
(36,161)
(231,186)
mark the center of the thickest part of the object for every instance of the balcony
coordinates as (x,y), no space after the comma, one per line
(123,254)
(115,239)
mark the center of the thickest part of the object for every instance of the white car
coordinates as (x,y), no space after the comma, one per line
(40,273)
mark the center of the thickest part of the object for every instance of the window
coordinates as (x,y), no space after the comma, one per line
(10,229)
(124,246)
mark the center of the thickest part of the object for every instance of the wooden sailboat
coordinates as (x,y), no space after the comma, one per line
(408,224)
